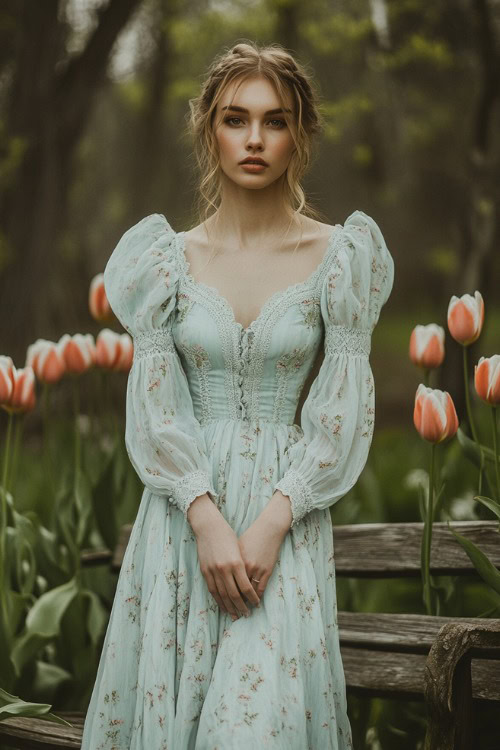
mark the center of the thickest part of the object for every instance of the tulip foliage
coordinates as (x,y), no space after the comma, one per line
(436,421)
(51,622)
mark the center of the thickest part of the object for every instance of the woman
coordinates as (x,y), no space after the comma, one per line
(228,320)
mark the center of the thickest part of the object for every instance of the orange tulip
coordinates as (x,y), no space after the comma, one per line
(98,302)
(6,379)
(466,317)
(487,379)
(434,415)
(47,361)
(108,349)
(78,352)
(127,353)
(427,346)
(22,398)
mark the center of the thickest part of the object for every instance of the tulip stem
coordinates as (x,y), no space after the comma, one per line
(471,420)
(429,518)
(77,432)
(3,526)
(495,445)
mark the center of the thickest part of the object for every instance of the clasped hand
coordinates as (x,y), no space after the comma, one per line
(229,563)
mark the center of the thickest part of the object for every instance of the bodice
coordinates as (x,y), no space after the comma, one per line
(253,373)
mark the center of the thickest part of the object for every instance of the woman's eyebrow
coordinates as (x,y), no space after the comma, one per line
(269,111)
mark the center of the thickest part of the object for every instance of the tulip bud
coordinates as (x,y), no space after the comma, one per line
(47,361)
(78,352)
(23,397)
(6,379)
(108,349)
(434,415)
(466,318)
(127,353)
(98,302)
(487,379)
(427,346)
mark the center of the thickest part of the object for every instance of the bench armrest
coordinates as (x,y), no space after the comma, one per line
(448,683)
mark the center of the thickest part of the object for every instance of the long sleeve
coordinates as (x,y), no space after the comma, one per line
(164,440)
(339,412)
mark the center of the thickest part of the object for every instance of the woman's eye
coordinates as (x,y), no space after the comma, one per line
(281,123)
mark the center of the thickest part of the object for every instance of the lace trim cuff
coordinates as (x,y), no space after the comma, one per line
(153,342)
(299,493)
(189,487)
(347,340)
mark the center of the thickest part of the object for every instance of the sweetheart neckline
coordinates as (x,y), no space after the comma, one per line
(271,300)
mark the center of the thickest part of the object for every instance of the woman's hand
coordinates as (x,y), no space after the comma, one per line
(260,544)
(220,558)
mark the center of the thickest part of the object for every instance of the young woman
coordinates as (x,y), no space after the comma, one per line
(223,633)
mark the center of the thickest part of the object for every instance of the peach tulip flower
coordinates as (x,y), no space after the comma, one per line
(78,352)
(22,398)
(6,379)
(108,349)
(466,317)
(98,302)
(427,346)
(46,359)
(434,415)
(487,379)
(127,353)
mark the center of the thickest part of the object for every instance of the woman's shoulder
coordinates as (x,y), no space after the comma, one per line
(142,270)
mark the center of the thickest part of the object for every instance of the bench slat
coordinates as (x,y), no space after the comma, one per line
(401,632)
(35,734)
(379,550)
(389,675)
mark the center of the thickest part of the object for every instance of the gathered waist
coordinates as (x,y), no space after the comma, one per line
(255,421)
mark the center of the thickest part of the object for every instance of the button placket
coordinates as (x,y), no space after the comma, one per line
(244,350)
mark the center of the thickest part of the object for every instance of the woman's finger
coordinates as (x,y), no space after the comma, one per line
(224,594)
(213,590)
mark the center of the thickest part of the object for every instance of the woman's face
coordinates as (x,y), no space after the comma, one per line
(253,125)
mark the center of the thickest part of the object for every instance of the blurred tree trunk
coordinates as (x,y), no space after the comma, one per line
(153,125)
(49,102)
(477,218)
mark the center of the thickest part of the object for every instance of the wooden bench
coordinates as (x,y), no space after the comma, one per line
(451,663)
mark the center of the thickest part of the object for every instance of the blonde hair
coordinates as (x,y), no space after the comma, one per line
(244,60)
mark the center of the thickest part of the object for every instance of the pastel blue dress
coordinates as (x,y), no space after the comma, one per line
(210,408)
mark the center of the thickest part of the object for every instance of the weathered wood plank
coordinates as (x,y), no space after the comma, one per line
(376,550)
(92,557)
(34,734)
(404,632)
(399,675)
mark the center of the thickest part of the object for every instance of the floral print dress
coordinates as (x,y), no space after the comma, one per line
(210,408)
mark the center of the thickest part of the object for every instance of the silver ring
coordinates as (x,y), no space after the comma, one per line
(254,579)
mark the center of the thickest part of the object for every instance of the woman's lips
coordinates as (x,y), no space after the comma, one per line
(249,167)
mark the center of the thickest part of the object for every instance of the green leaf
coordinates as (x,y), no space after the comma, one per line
(481,562)
(103,503)
(471,448)
(43,622)
(97,617)
(489,503)
(13,705)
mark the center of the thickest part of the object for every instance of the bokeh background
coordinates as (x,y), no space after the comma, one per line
(93,107)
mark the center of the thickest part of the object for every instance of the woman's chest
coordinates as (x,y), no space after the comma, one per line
(246,281)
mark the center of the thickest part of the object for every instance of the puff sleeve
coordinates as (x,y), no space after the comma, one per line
(163,438)
(338,414)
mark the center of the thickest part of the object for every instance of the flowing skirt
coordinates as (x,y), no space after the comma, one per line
(176,673)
